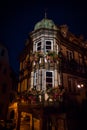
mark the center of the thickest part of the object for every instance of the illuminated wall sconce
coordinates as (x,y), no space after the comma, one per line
(80,85)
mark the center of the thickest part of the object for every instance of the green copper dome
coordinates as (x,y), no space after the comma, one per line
(45,23)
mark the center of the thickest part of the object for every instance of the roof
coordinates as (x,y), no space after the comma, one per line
(45,23)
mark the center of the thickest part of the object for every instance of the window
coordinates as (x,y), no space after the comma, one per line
(72,84)
(39,46)
(35,79)
(49,79)
(70,55)
(48,46)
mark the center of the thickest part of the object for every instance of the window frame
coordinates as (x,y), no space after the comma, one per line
(38,46)
(70,55)
(50,83)
(35,78)
(51,41)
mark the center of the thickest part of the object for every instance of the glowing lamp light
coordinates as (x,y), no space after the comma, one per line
(78,86)
(82,85)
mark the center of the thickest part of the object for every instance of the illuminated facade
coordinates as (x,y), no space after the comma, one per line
(54,57)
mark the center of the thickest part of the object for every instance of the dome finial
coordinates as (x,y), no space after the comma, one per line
(45,13)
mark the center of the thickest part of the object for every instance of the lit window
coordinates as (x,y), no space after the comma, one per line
(49,79)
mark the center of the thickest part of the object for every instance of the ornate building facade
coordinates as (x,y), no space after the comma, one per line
(54,57)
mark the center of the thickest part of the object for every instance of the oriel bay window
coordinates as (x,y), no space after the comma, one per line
(44,46)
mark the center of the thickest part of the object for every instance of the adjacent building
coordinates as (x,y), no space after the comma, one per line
(8,82)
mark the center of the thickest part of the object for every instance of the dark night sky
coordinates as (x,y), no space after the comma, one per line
(17,19)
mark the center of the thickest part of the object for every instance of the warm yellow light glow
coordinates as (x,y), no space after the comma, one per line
(82,85)
(78,86)
(14,105)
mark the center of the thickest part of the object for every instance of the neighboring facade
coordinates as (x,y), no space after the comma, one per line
(54,57)
(7,84)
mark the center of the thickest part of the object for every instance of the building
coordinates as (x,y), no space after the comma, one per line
(69,71)
(53,57)
(8,83)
